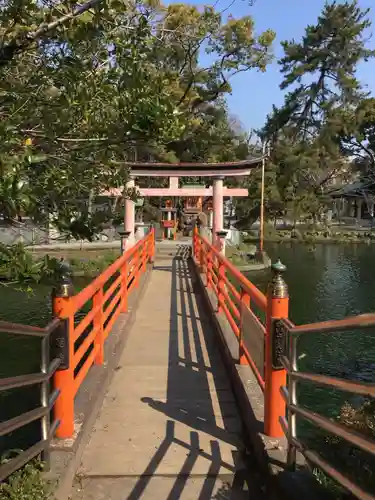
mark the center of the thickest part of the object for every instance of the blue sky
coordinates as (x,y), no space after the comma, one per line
(254,93)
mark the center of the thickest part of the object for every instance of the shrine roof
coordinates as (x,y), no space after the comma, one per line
(355,189)
(157,169)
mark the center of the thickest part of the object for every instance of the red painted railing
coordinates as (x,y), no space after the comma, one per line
(245,307)
(106,297)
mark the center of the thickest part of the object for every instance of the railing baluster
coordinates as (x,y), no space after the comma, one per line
(124,286)
(201,258)
(209,268)
(152,237)
(136,268)
(220,287)
(98,322)
(144,256)
(245,302)
(44,400)
(292,400)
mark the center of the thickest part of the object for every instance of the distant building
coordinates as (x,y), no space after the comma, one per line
(354,201)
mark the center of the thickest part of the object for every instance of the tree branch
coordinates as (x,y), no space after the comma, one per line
(15,46)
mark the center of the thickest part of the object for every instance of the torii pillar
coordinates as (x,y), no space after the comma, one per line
(218,208)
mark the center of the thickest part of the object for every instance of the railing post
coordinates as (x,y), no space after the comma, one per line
(152,245)
(144,255)
(98,323)
(137,262)
(209,267)
(275,374)
(245,302)
(220,287)
(63,308)
(201,258)
(124,287)
(195,242)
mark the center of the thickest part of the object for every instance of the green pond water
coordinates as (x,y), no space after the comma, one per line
(20,355)
(325,282)
(329,282)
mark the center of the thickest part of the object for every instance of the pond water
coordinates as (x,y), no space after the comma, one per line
(20,355)
(329,281)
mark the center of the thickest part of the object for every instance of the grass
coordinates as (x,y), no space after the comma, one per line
(84,262)
(93,265)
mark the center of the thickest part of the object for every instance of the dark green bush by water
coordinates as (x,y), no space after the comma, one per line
(26,484)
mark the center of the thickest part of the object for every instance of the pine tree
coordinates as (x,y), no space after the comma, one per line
(320,72)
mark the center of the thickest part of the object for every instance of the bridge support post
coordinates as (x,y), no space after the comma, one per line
(275,374)
(63,308)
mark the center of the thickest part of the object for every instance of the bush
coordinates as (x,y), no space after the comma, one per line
(347,457)
(296,234)
(26,484)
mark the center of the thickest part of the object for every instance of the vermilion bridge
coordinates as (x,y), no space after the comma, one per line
(173,377)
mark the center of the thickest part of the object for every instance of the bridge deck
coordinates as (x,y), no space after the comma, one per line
(169,427)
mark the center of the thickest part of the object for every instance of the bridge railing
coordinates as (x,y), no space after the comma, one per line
(47,399)
(289,393)
(236,297)
(89,318)
(70,344)
(251,316)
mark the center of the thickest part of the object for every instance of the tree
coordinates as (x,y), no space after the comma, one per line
(358,136)
(306,132)
(117,78)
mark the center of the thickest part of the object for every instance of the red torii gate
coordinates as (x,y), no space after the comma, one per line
(217,171)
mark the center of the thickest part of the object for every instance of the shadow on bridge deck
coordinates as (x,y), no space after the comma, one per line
(169,427)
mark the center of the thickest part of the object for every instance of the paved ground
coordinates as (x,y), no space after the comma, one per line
(169,427)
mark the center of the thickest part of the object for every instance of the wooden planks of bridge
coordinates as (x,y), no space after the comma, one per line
(169,427)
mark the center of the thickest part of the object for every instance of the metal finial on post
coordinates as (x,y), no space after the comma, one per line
(64,287)
(278,286)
